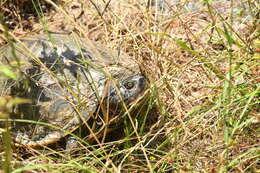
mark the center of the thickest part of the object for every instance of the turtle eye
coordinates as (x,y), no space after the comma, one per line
(129,85)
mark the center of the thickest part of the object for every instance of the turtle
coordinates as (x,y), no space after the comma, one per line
(70,81)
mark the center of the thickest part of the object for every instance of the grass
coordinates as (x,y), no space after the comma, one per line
(203,68)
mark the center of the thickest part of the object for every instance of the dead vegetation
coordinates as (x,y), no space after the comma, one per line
(203,68)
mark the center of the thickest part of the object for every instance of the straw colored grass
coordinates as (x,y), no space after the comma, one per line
(203,69)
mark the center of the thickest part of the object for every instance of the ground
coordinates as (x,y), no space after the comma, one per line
(202,62)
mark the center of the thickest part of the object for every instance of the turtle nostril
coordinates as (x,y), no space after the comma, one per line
(142,80)
(142,84)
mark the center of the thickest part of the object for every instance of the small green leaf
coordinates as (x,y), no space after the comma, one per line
(17,101)
(7,72)
(182,44)
(206,1)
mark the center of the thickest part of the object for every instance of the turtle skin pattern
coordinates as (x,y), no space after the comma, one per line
(68,80)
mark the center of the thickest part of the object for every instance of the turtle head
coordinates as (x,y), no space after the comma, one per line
(127,90)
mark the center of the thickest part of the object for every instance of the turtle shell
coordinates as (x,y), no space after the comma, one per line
(68,80)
